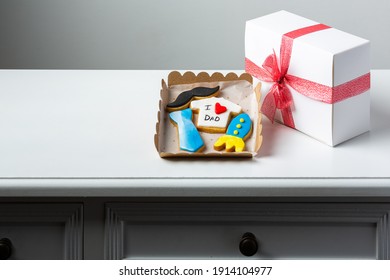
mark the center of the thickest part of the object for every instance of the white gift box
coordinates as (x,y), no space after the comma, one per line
(333,66)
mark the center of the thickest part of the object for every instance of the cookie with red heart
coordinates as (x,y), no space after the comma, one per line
(214,113)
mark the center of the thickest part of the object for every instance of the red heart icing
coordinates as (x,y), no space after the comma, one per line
(219,109)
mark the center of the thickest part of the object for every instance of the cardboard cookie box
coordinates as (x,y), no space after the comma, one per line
(233,90)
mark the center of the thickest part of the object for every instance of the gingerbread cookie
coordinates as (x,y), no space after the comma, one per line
(184,98)
(189,137)
(238,131)
(214,113)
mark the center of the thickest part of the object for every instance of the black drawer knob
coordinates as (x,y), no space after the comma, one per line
(248,244)
(5,248)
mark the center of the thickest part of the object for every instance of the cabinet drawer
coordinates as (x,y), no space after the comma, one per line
(41,231)
(281,231)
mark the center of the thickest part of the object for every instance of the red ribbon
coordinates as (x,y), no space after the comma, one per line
(279,96)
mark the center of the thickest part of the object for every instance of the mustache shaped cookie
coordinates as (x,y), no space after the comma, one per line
(184,98)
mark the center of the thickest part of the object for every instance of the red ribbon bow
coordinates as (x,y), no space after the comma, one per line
(279,96)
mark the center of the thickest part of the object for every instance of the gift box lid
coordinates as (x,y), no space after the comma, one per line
(335,50)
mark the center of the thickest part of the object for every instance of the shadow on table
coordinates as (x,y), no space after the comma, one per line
(380,127)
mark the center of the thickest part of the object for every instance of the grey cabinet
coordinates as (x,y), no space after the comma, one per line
(42,231)
(214,230)
(140,228)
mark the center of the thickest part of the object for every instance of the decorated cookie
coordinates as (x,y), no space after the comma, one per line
(214,113)
(189,137)
(238,131)
(184,98)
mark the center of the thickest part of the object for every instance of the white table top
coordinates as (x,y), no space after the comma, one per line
(90,133)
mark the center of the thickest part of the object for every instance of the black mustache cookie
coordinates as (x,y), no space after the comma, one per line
(184,98)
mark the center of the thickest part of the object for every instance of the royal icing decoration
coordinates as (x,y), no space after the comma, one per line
(239,129)
(189,137)
(219,109)
(184,98)
(214,113)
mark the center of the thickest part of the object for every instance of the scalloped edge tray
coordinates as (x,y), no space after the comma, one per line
(176,78)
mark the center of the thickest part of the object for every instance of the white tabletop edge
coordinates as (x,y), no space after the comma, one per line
(195,187)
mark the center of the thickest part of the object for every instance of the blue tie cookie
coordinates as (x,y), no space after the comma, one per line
(189,137)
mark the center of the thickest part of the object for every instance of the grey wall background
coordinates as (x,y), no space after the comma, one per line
(169,34)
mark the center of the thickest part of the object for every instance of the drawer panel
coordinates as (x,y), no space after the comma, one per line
(282,231)
(275,241)
(42,231)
